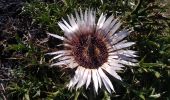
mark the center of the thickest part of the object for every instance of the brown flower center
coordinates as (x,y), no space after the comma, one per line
(89,50)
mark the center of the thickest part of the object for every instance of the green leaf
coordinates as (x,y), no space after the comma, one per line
(157,74)
(26,96)
(142,96)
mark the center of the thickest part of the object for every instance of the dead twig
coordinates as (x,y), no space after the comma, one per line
(3,91)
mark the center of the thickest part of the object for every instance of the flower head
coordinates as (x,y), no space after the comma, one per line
(93,49)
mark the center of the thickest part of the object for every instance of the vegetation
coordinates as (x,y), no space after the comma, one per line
(24,65)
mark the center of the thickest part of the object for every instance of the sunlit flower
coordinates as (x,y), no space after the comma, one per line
(93,49)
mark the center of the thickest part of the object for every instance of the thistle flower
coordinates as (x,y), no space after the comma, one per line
(93,49)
